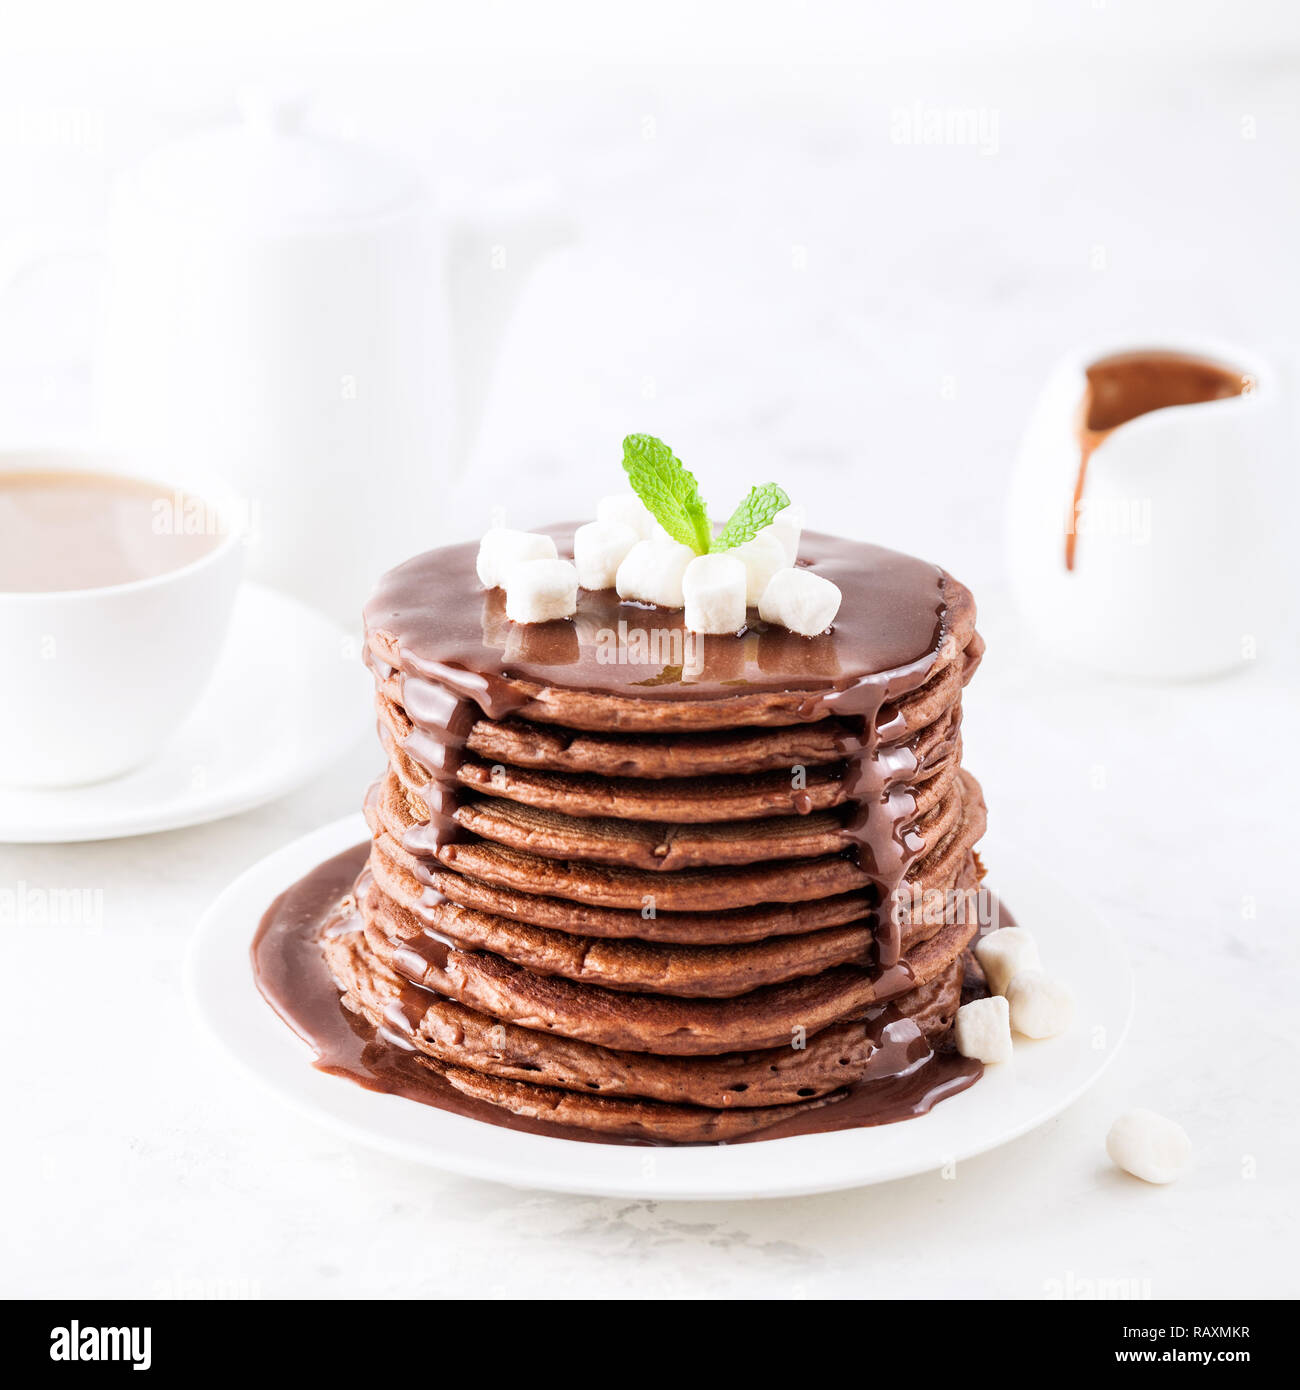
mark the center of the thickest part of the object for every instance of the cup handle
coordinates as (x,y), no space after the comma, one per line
(34,244)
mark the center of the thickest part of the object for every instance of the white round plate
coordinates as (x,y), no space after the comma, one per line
(1008,1101)
(285,701)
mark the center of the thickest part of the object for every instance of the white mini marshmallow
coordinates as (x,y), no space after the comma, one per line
(787,527)
(540,591)
(983,1030)
(714,591)
(629,510)
(652,572)
(501,547)
(800,600)
(761,557)
(1003,953)
(599,548)
(1041,1007)
(1149,1146)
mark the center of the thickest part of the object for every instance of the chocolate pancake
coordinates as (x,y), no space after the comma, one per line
(517,744)
(657,847)
(548,674)
(685,799)
(634,885)
(730,927)
(665,847)
(645,1120)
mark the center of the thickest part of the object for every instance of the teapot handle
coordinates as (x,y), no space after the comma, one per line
(494,243)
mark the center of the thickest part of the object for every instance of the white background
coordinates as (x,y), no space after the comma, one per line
(763,276)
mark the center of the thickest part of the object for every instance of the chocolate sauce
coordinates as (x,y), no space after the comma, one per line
(454,633)
(291,974)
(441,722)
(905,1078)
(1131,384)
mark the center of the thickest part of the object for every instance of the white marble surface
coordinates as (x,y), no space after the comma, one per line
(770,282)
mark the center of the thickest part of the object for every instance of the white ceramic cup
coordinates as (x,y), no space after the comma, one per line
(95,681)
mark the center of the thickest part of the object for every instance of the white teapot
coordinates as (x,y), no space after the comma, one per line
(1143,507)
(276,319)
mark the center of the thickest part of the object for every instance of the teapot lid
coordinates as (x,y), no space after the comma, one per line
(266,175)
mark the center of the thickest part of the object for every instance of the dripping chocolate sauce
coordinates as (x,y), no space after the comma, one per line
(1132,384)
(458,657)
(905,1079)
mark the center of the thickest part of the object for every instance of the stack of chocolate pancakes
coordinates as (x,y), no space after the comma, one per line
(629,883)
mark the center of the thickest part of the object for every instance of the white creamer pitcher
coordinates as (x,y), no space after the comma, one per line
(1171,571)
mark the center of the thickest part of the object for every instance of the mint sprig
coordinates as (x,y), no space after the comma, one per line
(755,512)
(672,496)
(669,491)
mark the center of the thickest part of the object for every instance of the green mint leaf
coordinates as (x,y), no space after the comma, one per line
(669,491)
(755,512)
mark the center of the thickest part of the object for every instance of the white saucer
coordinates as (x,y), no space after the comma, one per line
(1042,1080)
(285,701)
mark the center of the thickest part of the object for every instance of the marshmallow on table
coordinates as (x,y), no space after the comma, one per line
(761,557)
(599,548)
(787,527)
(1040,1006)
(540,591)
(983,1030)
(800,600)
(713,588)
(1003,953)
(629,510)
(652,572)
(502,547)
(1149,1146)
